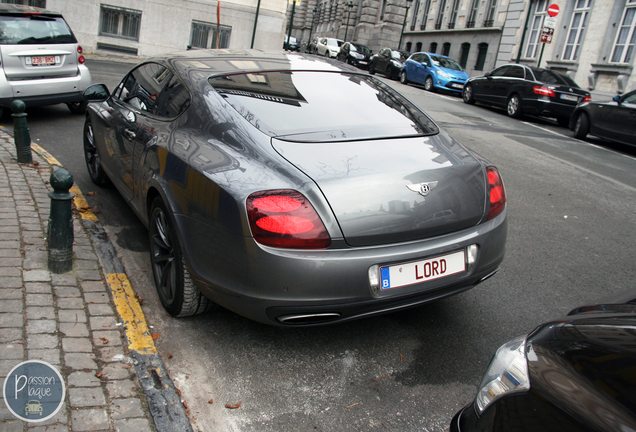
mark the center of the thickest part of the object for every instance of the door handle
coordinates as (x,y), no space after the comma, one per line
(129,134)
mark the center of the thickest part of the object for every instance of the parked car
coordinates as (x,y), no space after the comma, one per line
(388,62)
(574,374)
(249,206)
(524,89)
(293,44)
(355,54)
(313,43)
(42,63)
(614,120)
(434,71)
(328,47)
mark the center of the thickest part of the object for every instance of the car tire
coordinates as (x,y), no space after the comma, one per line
(581,126)
(403,79)
(428,84)
(91,156)
(177,292)
(371,69)
(77,107)
(513,107)
(467,94)
(327,54)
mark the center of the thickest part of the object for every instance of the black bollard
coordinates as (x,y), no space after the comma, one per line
(60,235)
(21,132)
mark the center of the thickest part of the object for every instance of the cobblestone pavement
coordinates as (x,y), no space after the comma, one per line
(66,320)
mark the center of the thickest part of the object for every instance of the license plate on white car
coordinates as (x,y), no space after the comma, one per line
(42,60)
(415,272)
(569,97)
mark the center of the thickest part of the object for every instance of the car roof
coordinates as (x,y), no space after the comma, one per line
(8,8)
(196,66)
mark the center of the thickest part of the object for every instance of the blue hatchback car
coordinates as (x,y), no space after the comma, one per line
(434,71)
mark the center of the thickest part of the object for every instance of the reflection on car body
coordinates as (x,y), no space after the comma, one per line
(523,90)
(434,71)
(574,374)
(613,120)
(388,62)
(254,205)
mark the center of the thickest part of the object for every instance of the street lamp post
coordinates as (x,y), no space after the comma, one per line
(350,6)
(408,3)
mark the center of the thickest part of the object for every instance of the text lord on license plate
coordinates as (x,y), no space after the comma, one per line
(421,271)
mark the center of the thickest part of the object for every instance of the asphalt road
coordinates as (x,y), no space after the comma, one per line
(572,232)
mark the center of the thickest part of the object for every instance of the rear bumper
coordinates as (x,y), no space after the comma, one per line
(45,91)
(547,107)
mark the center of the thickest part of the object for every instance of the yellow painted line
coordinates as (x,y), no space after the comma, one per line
(46,155)
(82,206)
(133,319)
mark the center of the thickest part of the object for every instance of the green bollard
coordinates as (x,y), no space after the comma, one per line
(60,233)
(21,132)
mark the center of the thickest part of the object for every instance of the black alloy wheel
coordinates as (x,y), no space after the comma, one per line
(175,287)
(371,69)
(514,106)
(91,155)
(581,126)
(467,94)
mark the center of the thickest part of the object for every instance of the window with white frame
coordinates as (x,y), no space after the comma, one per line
(474,8)
(427,10)
(489,21)
(453,14)
(578,23)
(204,35)
(36,3)
(440,14)
(537,25)
(623,50)
(120,22)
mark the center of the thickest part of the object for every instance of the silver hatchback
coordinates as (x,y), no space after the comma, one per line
(42,63)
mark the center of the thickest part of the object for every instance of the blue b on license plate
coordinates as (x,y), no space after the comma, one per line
(415,272)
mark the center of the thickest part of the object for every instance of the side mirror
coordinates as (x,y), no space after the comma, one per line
(96,93)
(617,98)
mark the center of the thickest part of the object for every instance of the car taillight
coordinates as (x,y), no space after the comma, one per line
(544,91)
(81,58)
(587,99)
(80,50)
(497,192)
(286,219)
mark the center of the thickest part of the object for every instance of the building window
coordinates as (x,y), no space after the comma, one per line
(440,14)
(623,50)
(427,10)
(463,54)
(482,50)
(474,8)
(416,10)
(535,32)
(418,46)
(204,35)
(489,21)
(453,16)
(577,30)
(433,47)
(35,3)
(446,49)
(120,22)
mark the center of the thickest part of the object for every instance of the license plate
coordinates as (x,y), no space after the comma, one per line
(362,62)
(41,60)
(569,97)
(415,272)
(458,86)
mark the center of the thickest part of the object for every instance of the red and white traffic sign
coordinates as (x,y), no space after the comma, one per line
(553,10)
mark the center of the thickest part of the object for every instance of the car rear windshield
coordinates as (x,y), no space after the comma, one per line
(550,77)
(33,30)
(322,106)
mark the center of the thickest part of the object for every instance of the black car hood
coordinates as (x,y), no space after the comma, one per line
(586,365)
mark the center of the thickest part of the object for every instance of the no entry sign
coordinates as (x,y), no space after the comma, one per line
(553,10)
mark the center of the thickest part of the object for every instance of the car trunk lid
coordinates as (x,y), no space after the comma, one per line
(394,190)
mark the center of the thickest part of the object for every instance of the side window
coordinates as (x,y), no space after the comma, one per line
(500,71)
(173,99)
(515,72)
(141,88)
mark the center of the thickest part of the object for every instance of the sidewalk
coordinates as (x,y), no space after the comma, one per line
(73,321)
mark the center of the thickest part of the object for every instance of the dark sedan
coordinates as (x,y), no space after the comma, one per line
(355,54)
(574,374)
(614,120)
(286,203)
(388,62)
(527,90)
